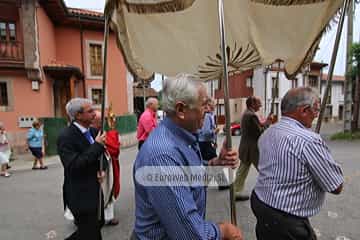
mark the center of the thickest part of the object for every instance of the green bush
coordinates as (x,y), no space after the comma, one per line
(346,136)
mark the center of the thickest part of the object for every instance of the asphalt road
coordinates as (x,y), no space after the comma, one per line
(32,209)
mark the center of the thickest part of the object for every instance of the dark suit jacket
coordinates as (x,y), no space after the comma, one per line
(81,164)
(251,130)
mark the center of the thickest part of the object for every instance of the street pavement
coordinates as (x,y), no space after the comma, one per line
(32,208)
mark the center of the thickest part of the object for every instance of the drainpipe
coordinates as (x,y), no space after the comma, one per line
(82,53)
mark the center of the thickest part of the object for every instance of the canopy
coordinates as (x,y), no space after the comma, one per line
(172,36)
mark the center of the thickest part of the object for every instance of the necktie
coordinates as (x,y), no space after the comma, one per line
(89,137)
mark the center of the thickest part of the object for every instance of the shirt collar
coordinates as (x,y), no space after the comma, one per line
(81,128)
(150,111)
(293,121)
(186,136)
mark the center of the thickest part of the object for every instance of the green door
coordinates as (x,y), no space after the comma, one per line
(52,128)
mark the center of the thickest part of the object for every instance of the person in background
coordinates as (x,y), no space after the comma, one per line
(80,148)
(5,152)
(207,134)
(296,169)
(173,211)
(251,129)
(35,140)
(112,188)
(147,121)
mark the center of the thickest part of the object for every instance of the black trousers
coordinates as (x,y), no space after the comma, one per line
(208,151)
(140,143)
(275,224)
(88,227)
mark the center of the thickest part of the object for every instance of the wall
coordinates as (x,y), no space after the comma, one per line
(237,86)
(27,105)
(47,50)
(337,96)
(69,51)
(284,85)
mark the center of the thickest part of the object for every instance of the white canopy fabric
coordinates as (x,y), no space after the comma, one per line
(172,36)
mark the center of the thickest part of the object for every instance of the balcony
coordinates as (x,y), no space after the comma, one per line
(11,54)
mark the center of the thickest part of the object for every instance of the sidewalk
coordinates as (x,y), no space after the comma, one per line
(25,161)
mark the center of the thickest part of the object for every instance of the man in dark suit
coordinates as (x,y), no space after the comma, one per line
(80,148)
(251,129)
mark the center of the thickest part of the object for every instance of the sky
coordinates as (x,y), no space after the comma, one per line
(322,55)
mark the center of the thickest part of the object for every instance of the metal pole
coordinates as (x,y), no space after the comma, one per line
(332,65)
(227,106)
(106,36)
(144,97)
(265,90)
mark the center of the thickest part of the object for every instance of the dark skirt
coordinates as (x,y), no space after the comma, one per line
(36,152)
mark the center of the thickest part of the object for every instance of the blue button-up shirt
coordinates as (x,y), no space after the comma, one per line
(171,212)
(207,132)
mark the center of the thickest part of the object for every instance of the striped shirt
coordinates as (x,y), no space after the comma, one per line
(171,212)
(295,169)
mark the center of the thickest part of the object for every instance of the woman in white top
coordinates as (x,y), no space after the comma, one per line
(5,152)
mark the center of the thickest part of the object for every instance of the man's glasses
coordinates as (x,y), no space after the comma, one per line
(312,109)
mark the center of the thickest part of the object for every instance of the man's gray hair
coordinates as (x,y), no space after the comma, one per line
(75,106)
(183,87)
(297,97)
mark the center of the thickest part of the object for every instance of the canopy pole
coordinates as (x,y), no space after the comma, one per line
(227,106)
(104,76)
(332,66)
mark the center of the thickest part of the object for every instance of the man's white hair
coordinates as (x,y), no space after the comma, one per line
(183,87)
(150,101)
(75,106)
(297,97)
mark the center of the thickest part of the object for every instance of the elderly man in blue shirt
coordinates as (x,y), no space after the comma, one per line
(177,211)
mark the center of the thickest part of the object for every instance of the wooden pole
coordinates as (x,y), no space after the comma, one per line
(332,65)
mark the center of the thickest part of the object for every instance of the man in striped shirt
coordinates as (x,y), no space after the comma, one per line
(177,211)
(296,169)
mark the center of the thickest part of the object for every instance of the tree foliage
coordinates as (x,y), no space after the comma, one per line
(355,59)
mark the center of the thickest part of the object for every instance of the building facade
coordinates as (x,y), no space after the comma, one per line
(50,53)
(240,87)
(271,90)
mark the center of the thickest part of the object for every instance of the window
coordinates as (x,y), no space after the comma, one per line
(275,88)
(4,100)
(329,97)
(12,32)
(7,31)
(95,56)
(249,82)
(236,108)
(96,96)
(313,81)
(3,31)
(294,83)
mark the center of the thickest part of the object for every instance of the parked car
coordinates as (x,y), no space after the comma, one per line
(235,129)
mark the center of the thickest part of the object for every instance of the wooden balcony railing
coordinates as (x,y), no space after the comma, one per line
(11,51)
